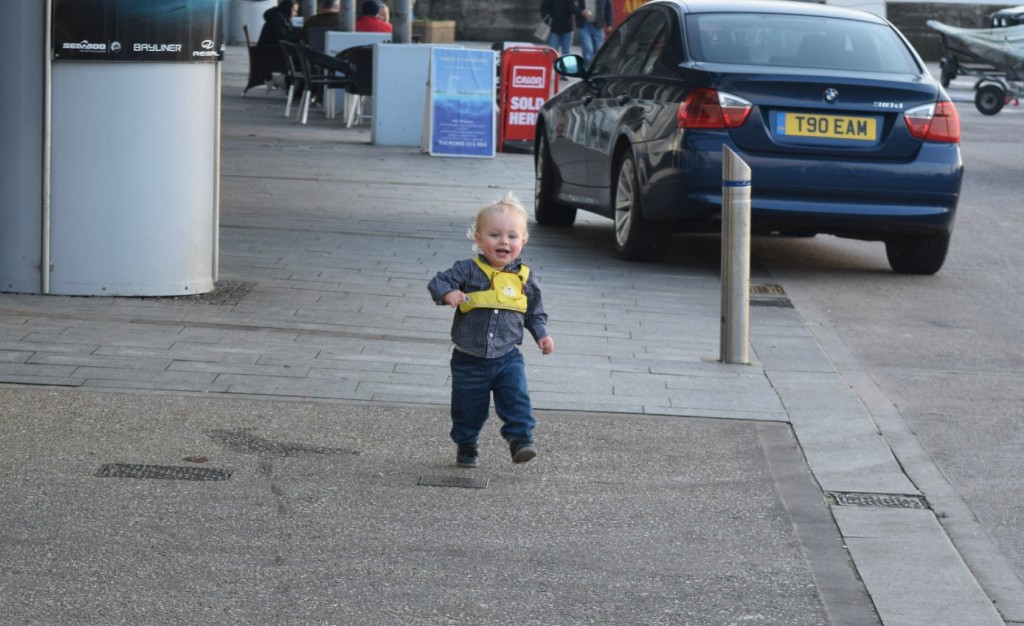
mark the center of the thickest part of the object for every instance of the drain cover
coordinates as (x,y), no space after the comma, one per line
(227,292)
(772,290)
(466,482)
(168,472)
(895,501)
(779,303)
(770,296)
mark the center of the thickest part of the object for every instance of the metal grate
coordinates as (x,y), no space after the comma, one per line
(778,303)
(890,500)
(769,296)
(227,292)
(466,482)
(773,290)
(166,472)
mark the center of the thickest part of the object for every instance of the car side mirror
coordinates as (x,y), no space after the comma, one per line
(570,65)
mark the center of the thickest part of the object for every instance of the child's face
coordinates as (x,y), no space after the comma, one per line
(501,236)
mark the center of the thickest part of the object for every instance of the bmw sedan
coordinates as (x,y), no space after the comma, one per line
(843,128)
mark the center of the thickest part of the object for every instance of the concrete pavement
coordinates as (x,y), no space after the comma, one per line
(670,488)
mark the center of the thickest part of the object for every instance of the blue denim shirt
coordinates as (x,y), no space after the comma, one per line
(489,333)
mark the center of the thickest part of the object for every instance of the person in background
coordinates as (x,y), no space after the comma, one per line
(277,24)
(592,28)
(329,16)
(385,12)
(562,13)
(369,19)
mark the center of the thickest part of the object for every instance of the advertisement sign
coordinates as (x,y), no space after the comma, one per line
(527,81)
(133,30)
(460,107)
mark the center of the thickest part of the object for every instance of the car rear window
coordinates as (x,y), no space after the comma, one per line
(798,41)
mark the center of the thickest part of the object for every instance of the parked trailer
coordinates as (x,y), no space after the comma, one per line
(994,55)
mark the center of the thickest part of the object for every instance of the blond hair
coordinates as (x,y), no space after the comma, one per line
(508,205)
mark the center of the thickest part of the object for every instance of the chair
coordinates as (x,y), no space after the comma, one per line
(360,59)
(264,61)
(330,73)
(319,72)
(293,74)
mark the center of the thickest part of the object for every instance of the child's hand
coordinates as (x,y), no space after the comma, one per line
(454,298)
(546,344)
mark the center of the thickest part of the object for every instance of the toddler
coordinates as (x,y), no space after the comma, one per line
(496,296)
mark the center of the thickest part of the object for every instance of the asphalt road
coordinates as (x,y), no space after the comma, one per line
(945,350)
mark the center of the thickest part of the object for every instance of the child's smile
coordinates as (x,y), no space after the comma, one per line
(500,239)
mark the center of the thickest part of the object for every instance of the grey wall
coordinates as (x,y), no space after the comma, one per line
(911,19)
(493,20)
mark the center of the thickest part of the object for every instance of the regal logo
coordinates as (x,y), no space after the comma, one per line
(529,76)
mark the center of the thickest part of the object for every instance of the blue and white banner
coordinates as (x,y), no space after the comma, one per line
(461,102)
(138,30)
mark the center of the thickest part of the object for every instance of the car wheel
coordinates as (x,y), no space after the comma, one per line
(546,209)
(989,99)
(636,239)
(917,254)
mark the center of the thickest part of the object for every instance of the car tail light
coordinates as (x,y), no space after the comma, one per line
(938,121)
(709,108)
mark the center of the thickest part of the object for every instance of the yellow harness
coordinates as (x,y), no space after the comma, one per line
(506,290)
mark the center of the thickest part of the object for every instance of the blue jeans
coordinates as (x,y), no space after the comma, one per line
(473,381)
(560,42)
(591,37)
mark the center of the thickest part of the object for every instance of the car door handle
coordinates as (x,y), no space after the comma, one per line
(587,99)
(623,98)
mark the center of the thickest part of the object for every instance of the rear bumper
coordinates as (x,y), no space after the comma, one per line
(856,198)
(871,221)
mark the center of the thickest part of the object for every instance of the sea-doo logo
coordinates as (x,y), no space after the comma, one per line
(115,46)
(529,76)
(85,46)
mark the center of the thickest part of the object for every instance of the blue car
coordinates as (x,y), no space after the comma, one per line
(844,130)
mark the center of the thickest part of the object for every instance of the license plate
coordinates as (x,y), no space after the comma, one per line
(823,126)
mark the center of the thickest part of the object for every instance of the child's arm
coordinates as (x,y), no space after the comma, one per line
(447,286)
(454,298)
(536,319)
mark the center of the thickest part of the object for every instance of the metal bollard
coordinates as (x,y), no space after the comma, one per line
(735,323)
